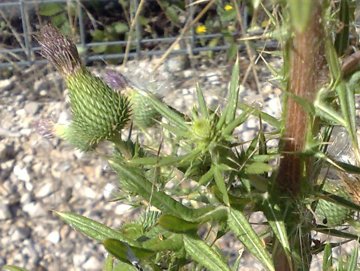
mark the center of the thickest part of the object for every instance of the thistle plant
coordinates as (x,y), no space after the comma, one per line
(98,112)
(209,182)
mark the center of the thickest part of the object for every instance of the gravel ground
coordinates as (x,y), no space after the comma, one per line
(40,174)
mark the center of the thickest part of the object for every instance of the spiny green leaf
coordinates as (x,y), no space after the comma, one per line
(108,264)
(277,224)
(140,185)
(347,104)
(200,252)
(352,264)
(92,228)
(233,97)
(327,258)
(162,242)
(229,128)
(175,224)
(202,104)
(238,223)
(257,168)
(125,252)
(174,118)
(342,36)
(336,233)
(220,183)
(264,116)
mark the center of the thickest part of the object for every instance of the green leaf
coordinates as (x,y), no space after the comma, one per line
(92,228)
(257,168)
(121,266)
(12,268)
(167,242)
(108,264)
(207,177)
(233,97)
(276,222)
(333,61)
(51,9)
(175,224)
(337,233)
(97,35)
(202,104)
(220,183)
(327,258)
(125,252)
(135,182)
(120,27)
(264,116)
(238,223)
(347,104)
(342,36)
(352,264)
(203,254)
(229,129)
(174,117)
(229,112)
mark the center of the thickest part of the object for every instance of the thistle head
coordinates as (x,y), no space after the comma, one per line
(59,50)
(98,112)
(144,114)
(116,80)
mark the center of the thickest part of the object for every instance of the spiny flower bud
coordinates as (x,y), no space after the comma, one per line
(143,113)
(98,112)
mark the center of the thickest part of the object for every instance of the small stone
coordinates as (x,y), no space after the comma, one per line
(4,212)
(31,108)
(188,73)
(53,237)
(26,198)
(92,264)
(252,123)
(89,193)
(34,209)
(28,159)
(109,190)
(248,135)
(79,259)
(122,208)
(21,113)
(6,84)
(6,168)
(21,173)
(45,190)
(6,151)
(20,234)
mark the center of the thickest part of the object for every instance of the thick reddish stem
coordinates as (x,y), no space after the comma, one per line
(307,72)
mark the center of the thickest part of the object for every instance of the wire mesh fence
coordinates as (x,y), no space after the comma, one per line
(130,36)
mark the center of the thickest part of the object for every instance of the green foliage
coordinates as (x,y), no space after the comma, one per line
(59,14)
(111,32)
(207,183)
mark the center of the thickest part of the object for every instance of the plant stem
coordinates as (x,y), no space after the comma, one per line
(307,73)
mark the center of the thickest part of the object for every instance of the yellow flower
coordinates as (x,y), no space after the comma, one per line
(228,7)
(200,29)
